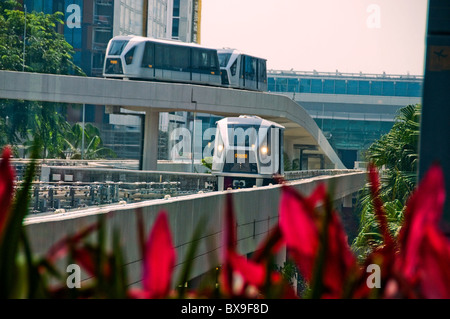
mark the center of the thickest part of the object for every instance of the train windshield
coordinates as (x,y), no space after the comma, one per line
(117,47)
(223,59)
(245,135)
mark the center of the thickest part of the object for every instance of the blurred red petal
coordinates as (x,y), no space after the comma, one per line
(251,272)
(435,261)
(299,230)
(6,187)
(61,247)
(423,208)
(269,246)
(229,246)
(159,259)
(85,258)
(339,261)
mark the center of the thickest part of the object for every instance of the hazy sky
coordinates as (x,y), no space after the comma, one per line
(371,36)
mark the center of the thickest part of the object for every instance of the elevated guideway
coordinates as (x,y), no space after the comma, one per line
(302,133)
(256,212)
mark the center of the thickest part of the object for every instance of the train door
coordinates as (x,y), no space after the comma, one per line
(248,72)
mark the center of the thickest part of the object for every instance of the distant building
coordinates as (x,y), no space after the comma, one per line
(352,110)
(88,27)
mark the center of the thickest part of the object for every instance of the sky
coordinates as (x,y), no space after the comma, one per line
(351,36)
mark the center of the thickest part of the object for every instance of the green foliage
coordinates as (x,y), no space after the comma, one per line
(207,162)
(93,144)
(396,153)
(46,51)
(287,162)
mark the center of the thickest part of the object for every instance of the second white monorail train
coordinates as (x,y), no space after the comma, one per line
(248,151)
(140,58)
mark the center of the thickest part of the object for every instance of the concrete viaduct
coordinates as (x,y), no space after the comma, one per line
(302,133)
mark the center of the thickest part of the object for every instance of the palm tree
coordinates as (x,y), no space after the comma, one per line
(396,155)
(93,144)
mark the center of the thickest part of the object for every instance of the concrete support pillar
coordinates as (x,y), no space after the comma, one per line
(151,134)
(347,201)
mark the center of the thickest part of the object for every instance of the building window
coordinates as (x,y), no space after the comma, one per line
(316,86)
(339,87)
(328,86)
(414,89)
(305,85)
(176,8)
(401,88)
(364,88)
(281,85)
(175,28)
(375,88)
(352,87)
(388,88)
(293,85)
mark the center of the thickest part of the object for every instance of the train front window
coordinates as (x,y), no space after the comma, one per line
(117,47)
(223,59)
(129,56)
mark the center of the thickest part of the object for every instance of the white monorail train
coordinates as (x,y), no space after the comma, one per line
(248,151)
(135,57)
(242,71)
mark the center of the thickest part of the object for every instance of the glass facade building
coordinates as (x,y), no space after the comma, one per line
(352,110)
(327,83)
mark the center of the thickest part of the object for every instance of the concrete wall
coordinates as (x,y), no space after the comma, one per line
(256,212)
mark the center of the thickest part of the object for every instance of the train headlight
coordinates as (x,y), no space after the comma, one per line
(264,150)
(220,148)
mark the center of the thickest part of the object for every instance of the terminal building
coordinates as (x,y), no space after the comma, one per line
(352,110)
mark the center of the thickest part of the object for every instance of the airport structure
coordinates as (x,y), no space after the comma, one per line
(352,110)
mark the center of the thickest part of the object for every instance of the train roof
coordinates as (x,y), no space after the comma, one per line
(249,120)
(238,52)
(136,38)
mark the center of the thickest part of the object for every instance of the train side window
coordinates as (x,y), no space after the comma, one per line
(233,68)
(162,56)
(129,56)
(204,61)
(213,60)
(148,58)
(250,68)
(262,76)
(179,57)
(199,59)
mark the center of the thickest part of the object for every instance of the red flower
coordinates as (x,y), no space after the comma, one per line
(159,261)
(302,228)
(239,273)
(6,188)
(435,260)
(424,254)
(299,229)
(424,208)
(378,206)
